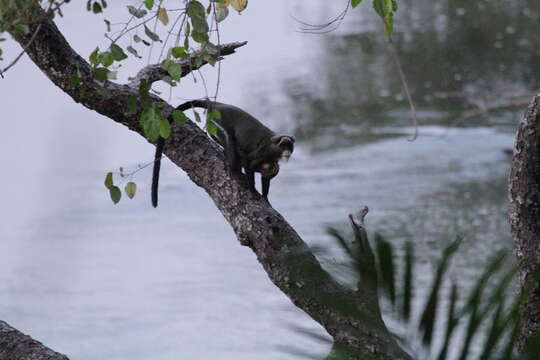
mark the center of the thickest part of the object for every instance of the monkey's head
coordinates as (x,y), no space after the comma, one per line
(269,169)
(285,145)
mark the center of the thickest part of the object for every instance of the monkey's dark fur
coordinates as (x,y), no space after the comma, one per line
(248,144)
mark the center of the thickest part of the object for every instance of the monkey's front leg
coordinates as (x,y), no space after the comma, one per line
(250,173)
(265,187)
(233,158)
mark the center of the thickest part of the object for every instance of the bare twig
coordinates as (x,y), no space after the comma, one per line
(219,53)
(18,57)
(326,27)
(406,89)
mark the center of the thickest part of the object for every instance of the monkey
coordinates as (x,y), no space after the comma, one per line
(248,144)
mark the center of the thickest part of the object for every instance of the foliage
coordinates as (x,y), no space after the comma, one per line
(385,9)
(480,321)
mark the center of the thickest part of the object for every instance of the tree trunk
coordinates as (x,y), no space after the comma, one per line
(352,318)
(524,192)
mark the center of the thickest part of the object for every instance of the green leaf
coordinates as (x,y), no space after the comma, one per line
(222,13)
(386,266)
(118,53)
(150,122)
(197,116)
(138,13)
(179,52)
(168,80)
(132,50)
(136,38)
(108,24)
(106,58)
(215,114)
(451,323)
(116,194)
(179,116)
(174,69)
(239,5)
(152,35)
(132,105)
(130,189)
(164,128)
(211,49)
(429,314)
(200,25)
(211,128)
(94,56)
(96,8)
(388,7)
(355,3)
(196,9)
(389,25)
(379,7)
(385,9)
(112,75)
(101,73)
(108,180)
(200,38)
(407,281)
(163,16)
(149,4)
(75,79)
(197,14)
(22,29)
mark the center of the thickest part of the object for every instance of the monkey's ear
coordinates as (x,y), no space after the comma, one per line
(293,139)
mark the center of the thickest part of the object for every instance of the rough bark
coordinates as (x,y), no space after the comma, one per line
(524,192)
(352,318)
(14,345)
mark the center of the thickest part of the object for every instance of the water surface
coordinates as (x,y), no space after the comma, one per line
(94,280)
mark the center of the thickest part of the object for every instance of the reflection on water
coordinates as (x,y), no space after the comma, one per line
(98,281)
(457,55)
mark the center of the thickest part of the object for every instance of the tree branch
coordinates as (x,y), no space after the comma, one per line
(14,345)
(351,318)
(155,72)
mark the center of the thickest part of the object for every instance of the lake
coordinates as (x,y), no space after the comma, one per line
(98,281)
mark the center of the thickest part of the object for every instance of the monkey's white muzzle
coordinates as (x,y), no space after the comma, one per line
(285,156)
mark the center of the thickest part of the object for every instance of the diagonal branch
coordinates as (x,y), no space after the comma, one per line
(155,72)
(351,318)
(14,345)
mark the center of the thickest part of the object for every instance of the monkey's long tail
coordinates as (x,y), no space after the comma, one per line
(155,173)
(161,143)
